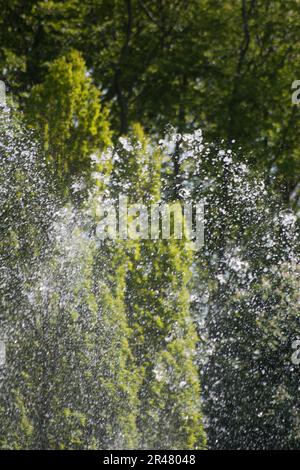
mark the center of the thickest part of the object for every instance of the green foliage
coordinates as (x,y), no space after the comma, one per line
(226,66)
(157,302)
(102,335)
(252,357)
(67,113)
(70,381)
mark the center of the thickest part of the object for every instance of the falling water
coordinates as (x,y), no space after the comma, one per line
(60,322)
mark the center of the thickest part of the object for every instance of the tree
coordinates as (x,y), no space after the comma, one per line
(69,381)
(157,303)
(246,296)
(66,111)
(224,66)
(27,208)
